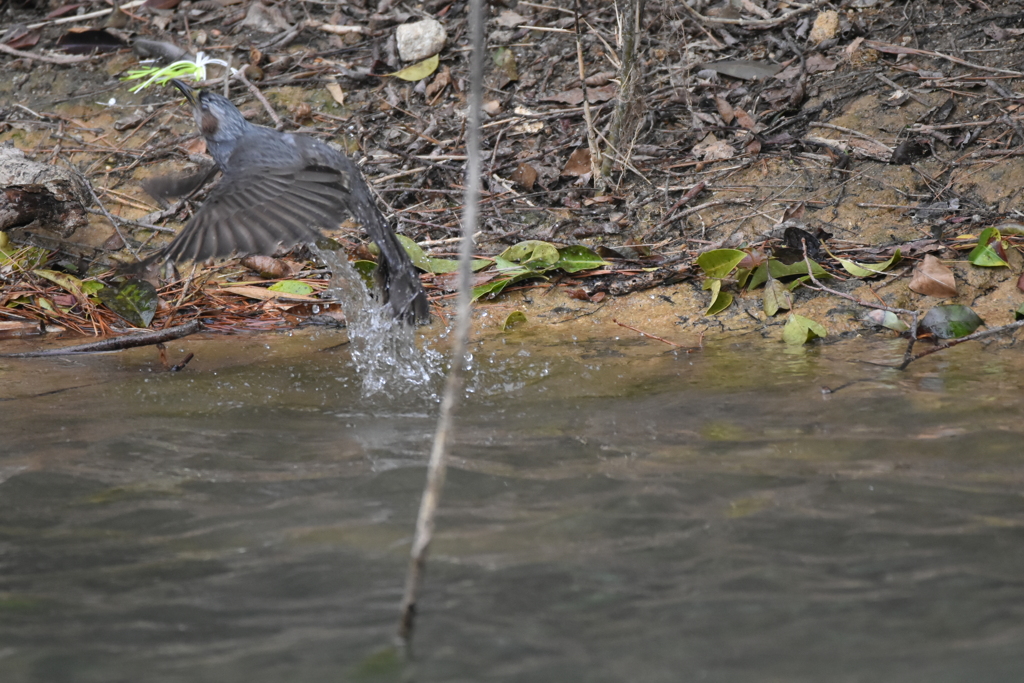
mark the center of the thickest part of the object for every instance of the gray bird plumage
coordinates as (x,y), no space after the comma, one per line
(277,190)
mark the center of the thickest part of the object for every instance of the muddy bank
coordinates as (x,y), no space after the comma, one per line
(868,130)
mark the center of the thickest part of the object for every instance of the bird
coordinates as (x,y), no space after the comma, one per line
(277,189)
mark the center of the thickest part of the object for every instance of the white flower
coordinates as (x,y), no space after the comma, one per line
(201,61)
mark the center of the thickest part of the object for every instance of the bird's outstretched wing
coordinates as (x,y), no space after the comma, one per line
(255,209)
(258,206)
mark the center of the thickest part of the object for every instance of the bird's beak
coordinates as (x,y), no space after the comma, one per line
(186,90)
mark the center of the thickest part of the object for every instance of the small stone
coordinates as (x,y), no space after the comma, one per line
(826,27)
(492,107)
(419,40)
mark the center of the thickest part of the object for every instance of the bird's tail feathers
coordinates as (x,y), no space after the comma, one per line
(398,278)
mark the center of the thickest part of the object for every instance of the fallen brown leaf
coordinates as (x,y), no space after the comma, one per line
(713,149)
(599,79)
(932,278)
(270,267)
(578,164)
(20,38)
(336,92)
(195,145)
(440,82)
(161,4)
(602,94)
(818,62)
(570,97)
(579,294)
(524,176)
(725,109)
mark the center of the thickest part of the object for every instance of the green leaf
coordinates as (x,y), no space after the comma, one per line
(418,71)
(800,330)
(778,269)
(134,300)
(437,266)
(776,296)
(25,258)
(987,253)
(506,267)
(865,270)
(514,318)
(69,283)
(491,288)
(291,287)
(533,254)
(743,276)
(365,269)
(416,254)
(720,262)
(951,321)
(577,258)
(1010,228)
(793,285)
(758,276)
(91,287)
(1019,313)
(440,266)
(505,61)
(719,300)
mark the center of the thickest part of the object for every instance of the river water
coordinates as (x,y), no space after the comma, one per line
(614,512)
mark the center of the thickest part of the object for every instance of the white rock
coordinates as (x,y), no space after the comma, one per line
(419,40)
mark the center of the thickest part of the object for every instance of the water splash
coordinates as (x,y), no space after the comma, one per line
(384,351)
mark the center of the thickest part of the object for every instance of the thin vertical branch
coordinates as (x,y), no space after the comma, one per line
(595,151)
(632,16)
(240,75)
(455,379)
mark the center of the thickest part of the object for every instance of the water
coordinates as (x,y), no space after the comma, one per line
(386,353)
(613,512)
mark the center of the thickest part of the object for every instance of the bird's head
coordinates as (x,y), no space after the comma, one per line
(218,120)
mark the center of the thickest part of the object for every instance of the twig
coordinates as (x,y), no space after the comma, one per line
(754,23)
(900,50)
(180,366)
(892,84)
(126,341)
(83,17)
(140,224)
(850,131)
(915,315)
(689,349)
(240,74)
(595,151)
(337,29)
(95,197)
(690,194)
(454,382)
(907,360)
(924,128)
(628,77)
(49,59)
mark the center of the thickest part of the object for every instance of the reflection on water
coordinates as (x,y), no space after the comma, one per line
(613,512)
